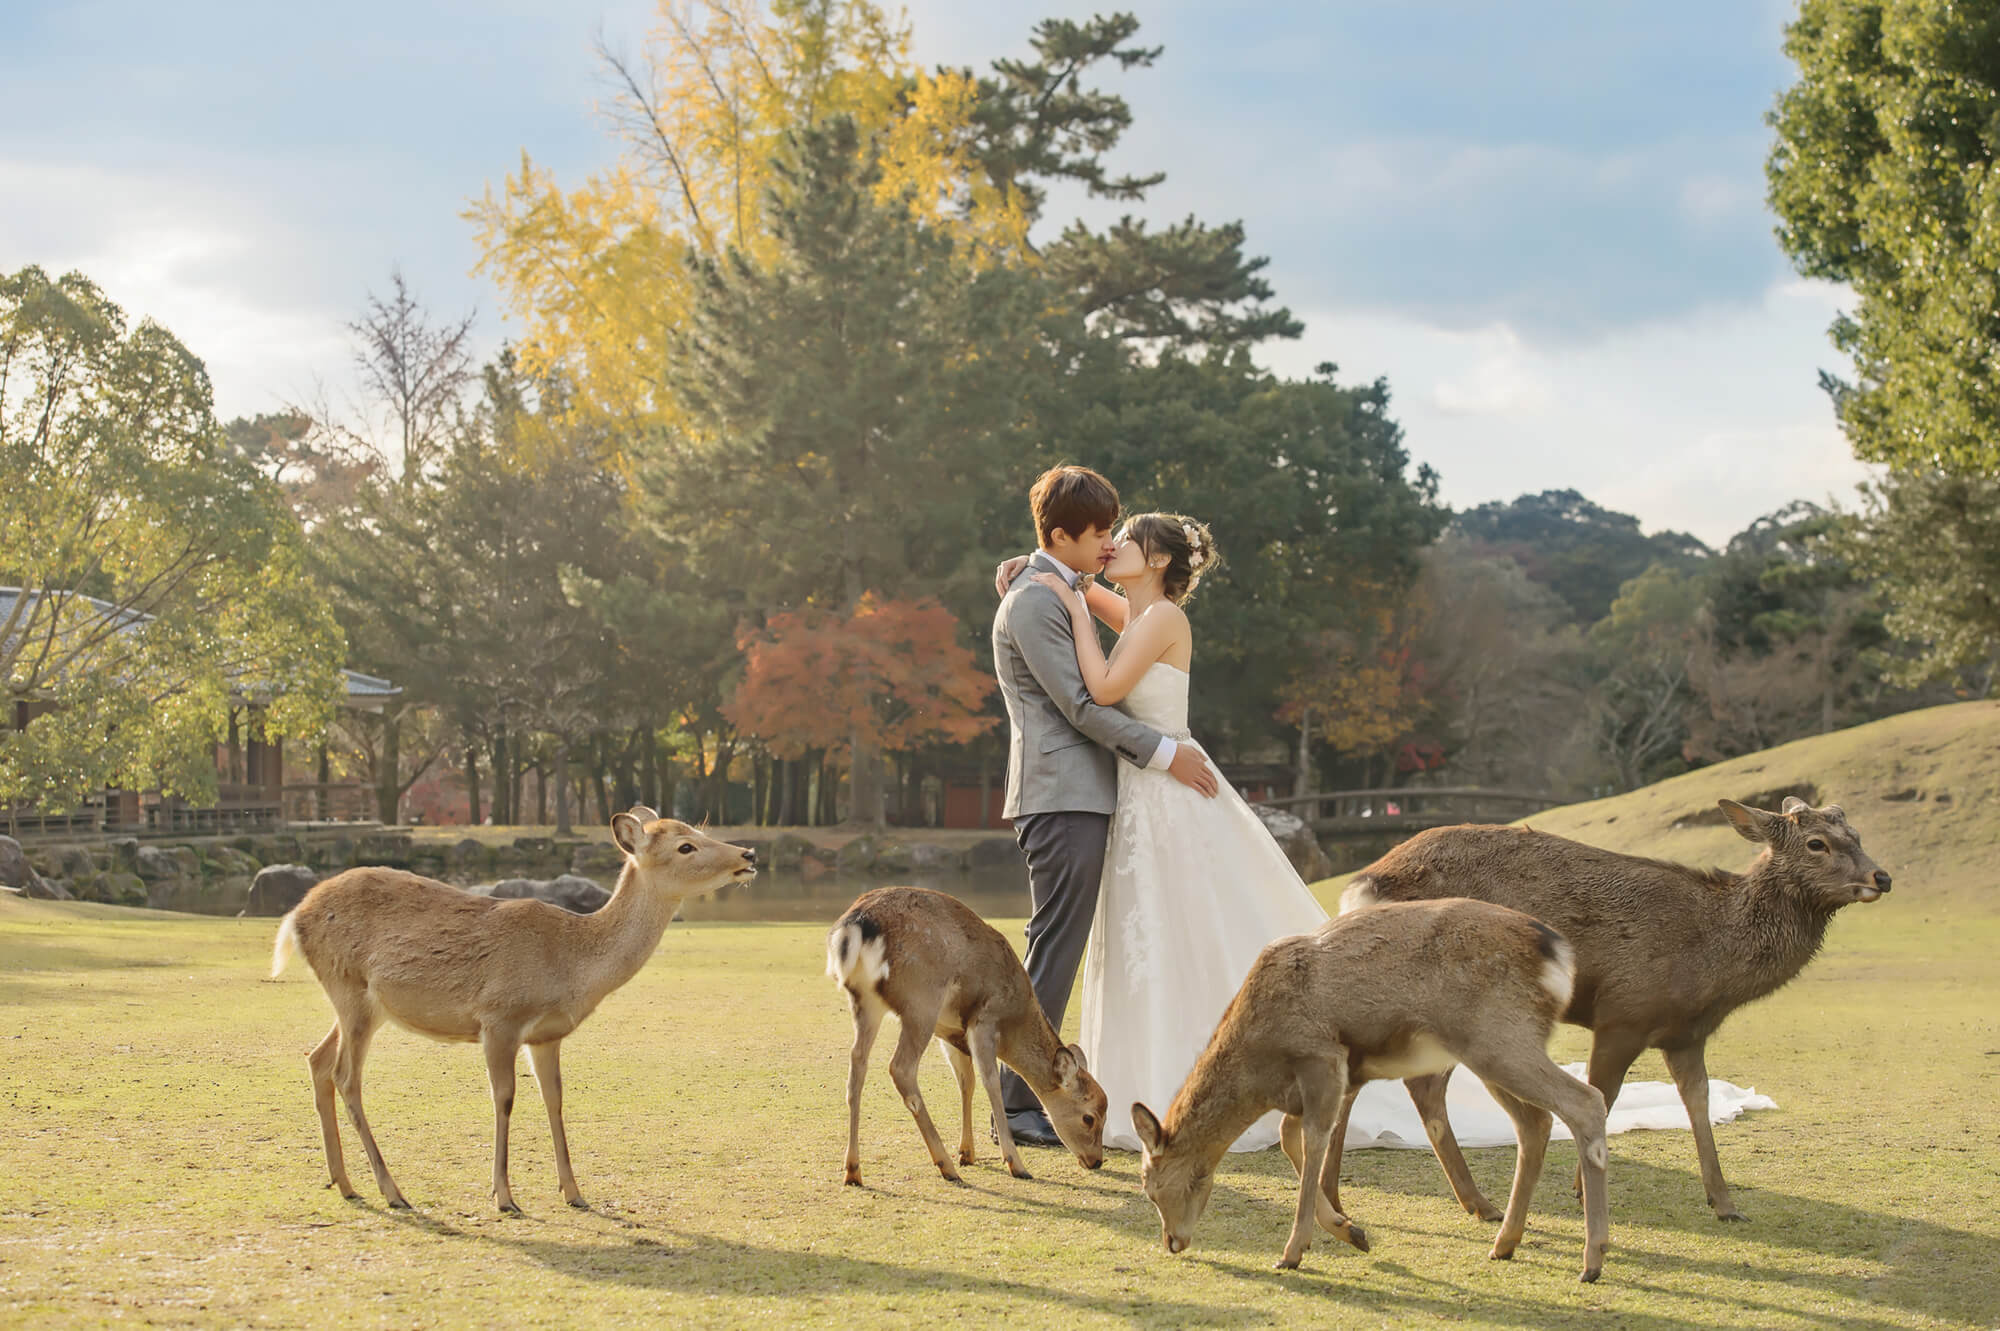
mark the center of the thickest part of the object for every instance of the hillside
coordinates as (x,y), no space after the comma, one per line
(1918,787)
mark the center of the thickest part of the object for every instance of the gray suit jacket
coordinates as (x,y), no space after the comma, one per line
(1052,764)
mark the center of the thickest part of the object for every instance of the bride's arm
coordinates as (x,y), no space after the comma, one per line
(1109,681)
(1107,605)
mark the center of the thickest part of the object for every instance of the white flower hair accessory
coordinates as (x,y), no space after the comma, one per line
(1197,555)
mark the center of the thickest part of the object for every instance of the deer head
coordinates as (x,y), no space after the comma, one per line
(1177,1181)
(1815,850)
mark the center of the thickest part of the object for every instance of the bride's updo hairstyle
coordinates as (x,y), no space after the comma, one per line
(1189,549)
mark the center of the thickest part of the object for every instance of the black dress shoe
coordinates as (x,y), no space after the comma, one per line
(1031,1128)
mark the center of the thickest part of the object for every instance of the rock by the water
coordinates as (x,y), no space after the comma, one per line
(120,887)
(789,851)
(158,864)
(15,871)
(596,857)
(574,893)
(1296,839)
(279,887)
(860,854)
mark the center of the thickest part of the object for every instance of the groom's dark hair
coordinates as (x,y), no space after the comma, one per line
(1071,499)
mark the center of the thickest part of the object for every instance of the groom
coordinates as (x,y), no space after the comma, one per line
(1062,780)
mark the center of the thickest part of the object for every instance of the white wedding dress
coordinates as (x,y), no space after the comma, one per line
(1193,889)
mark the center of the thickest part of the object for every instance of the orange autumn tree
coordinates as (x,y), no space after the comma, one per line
(890,676)
(1363,688)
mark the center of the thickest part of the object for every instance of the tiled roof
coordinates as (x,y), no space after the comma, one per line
(359,686)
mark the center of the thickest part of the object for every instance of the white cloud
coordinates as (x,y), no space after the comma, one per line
(1702,423)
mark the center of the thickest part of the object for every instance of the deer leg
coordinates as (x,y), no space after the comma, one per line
(321,1061)
(357,1025)
(1612,1054)
(1291,1138)
(867,1025)
(916,1033)
(1539,1082)
(1427,1093)
(501,1052)
(1321,1091)
(985,1042)
(1689,1067)
(1531,1147)
(546,1059)
(961,1067)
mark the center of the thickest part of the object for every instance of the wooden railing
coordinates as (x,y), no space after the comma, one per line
(1411,808)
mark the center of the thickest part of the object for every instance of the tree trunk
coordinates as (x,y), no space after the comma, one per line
(865,805)
(649,770)
(784,778)
(600,748)
(322,797)
(472,784)
(1303,783)
(503,812)
(563,827)
(541,795)
(388,792)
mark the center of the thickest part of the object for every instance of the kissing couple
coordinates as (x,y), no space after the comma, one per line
(1142,866)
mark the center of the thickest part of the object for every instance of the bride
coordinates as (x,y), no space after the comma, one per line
(1193,888)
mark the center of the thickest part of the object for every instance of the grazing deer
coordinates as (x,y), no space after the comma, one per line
(1391,992)
(945,972)
(1664,952)
(503,973)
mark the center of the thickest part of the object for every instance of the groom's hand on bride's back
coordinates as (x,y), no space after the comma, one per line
(1191,769)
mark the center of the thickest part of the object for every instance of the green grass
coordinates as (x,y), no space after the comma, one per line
(160,1161)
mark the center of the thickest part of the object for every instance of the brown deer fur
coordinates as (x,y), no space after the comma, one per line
(945,972)
(501,973)
(1664,952)
(1388,992)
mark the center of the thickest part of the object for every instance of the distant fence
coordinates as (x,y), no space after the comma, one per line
(1407,809)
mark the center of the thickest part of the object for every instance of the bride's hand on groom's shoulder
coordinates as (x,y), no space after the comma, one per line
(1005,573)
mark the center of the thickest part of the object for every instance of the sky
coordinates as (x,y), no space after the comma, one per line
(1542,222)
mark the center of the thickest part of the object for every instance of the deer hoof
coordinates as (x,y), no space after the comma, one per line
(1358,1237)
(1486,1211)
(1497,1256)
(1589,1277)
(510,1208)
(1019,1171)
(579,1203)
(966,1158)
(400,1204)
(1285,1264)
(853,1179)
(1732,1215)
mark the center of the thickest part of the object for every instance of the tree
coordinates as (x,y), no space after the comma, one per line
(1929,541)
(1646,651)
(160,573)
(893,672)
(844,401)
(1578,549)
(1881,176)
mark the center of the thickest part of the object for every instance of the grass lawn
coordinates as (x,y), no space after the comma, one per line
(160,1160)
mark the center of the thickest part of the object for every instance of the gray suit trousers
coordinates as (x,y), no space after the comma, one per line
(1065,853)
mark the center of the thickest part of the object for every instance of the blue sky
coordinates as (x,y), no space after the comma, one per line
(1542,221)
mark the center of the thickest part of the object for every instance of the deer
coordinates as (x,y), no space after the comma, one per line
(1397,991)
(499,973)
(946,973)
(1664,951)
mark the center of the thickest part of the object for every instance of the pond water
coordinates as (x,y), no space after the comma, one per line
(771,897)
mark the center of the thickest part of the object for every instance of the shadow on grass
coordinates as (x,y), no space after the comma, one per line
(1930,1267)
(711,1264)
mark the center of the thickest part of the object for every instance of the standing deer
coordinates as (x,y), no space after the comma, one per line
(502,973)
(1398,991)
(1664,952)
(945,972)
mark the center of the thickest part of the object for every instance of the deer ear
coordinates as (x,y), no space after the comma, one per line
(1792,805)
(1750,824)
(1066,1065)
(1835,812)
(626,831)
(1082,1063)
(644,814)
(1151,1135)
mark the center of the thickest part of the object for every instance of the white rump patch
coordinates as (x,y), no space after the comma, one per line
(1360,893)
(1559,975)
(865,964)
